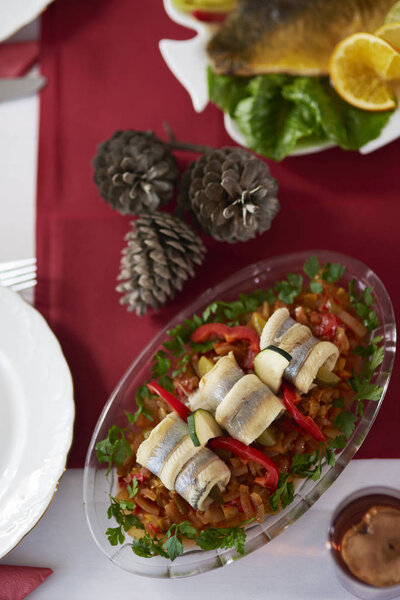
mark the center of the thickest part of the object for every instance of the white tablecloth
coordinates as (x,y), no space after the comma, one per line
(295,565)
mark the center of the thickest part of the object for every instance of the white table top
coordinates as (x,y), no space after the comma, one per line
(295,565)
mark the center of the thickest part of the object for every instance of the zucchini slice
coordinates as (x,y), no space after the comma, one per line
(269,365)
(325,377)
(202,427)
(267,438)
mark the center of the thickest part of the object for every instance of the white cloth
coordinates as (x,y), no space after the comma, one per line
(294,566)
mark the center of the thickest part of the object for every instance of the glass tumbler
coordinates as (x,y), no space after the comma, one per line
(350,512)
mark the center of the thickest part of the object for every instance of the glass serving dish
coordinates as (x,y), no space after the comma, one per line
(97,487)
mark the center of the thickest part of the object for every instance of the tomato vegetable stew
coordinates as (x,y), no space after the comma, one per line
(245,400)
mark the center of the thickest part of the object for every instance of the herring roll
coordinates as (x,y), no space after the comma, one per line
(215,384)
(248,409)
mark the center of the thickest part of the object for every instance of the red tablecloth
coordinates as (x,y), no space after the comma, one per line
(104,73)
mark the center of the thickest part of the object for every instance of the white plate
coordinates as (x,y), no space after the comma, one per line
(14,14)
(36,417)
(188,61)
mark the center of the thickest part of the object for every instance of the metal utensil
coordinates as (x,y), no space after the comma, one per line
(18,274)
(18,87)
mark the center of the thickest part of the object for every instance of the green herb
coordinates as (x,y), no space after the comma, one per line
(312,269)
(290,288)
(224,537)
(276,112)
(234,313)
(115,449)
(332,272)
(362,305)
(373,353)
(338,442)
(345,421)
(169,545)
(125,521)
(284,493)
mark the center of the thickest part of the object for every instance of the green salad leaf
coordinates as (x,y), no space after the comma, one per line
(276,112)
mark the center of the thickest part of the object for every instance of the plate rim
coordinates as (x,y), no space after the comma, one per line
(56,446)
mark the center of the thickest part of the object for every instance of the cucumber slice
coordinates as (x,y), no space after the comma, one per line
(267,438)
(269,365)
(325,377)
(202,427)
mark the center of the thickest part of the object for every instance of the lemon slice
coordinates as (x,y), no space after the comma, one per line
(393,15)
(390,32)
(360,67)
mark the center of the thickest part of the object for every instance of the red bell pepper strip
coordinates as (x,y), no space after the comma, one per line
(290,399)
(248,453)
(231,335)
(209,16)
(178,406)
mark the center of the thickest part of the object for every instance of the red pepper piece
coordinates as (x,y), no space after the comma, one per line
(208,16)
(170,399)
(328,325)
(248,453)
(290,399)
(231,335)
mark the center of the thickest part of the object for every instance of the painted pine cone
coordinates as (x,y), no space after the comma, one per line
(160,256)
(231,193)
(135,172)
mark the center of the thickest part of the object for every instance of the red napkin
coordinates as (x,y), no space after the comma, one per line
(18,582)
(105,72)
(16,58)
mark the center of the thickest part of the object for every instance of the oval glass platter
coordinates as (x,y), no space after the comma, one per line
(188,61)
(97,487)
(36,417)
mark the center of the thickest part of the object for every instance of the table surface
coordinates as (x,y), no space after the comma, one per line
(295,565)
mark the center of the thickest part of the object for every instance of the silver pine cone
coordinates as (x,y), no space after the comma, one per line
(231,193)
(135,172)
(159,257)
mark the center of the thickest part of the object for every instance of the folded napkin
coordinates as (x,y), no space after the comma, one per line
(16,58)
(18,582)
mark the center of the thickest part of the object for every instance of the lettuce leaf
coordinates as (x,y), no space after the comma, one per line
(278,112)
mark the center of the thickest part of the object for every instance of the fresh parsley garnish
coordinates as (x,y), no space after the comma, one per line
(117,510)
(115,449)
(284,494)
(224,537)
(362,305)
(169,545)
(289,288)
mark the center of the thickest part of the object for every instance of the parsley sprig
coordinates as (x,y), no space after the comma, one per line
(330,272)
(362,304)
(119,510)
(169,545)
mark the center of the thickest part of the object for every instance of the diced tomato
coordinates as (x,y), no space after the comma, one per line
(328,326)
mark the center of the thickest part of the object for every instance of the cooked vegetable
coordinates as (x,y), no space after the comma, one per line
(267,438)
(269,365)
(205,365)
(170,399)
(231,335)
(290,399)
(202,427)
(270,480)
(326,377)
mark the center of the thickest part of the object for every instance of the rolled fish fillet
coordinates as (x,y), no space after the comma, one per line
(200,474)
(283,331)
(215,384)
(170,454)
(308,353)
(307,359)
(248,409)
